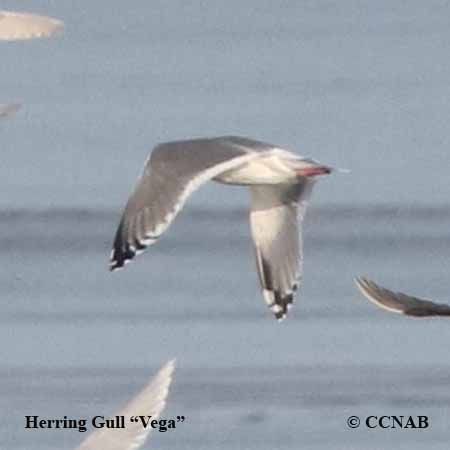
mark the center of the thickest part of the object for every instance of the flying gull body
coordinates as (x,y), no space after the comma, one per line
(17,26)
(149,402)
(400,303)
(280,183)
(7,110)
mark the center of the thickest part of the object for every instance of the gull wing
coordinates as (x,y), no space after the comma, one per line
(16,26)
(275,219)
(398,302)
(149,402)
(172,173)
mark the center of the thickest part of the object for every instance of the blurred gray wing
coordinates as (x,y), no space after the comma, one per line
(172,173)
(8,110)
(275,219)
(398,302)
(20,26)
(149,402)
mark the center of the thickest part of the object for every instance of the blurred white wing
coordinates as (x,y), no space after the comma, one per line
(149,402)
(21,26)
(400,303)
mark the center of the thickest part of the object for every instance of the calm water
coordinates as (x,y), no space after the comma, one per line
(361,85)
(77,340)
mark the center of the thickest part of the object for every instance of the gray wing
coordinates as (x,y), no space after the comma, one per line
(398,302)
(20,26)
(8,110)
(173,172)
(149,402)
(275,220)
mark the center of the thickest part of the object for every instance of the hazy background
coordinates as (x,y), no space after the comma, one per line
(359,85)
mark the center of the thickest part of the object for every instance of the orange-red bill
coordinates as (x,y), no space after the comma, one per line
(313,171)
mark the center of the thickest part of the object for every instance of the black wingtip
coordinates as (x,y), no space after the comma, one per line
(279,303)
(115,265)
(120,257)
(122,251)
(277,300)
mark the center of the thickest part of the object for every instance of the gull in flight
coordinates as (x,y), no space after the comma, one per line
(400,303)
(7,110)
(280,184)
(18,26)
(149,402)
